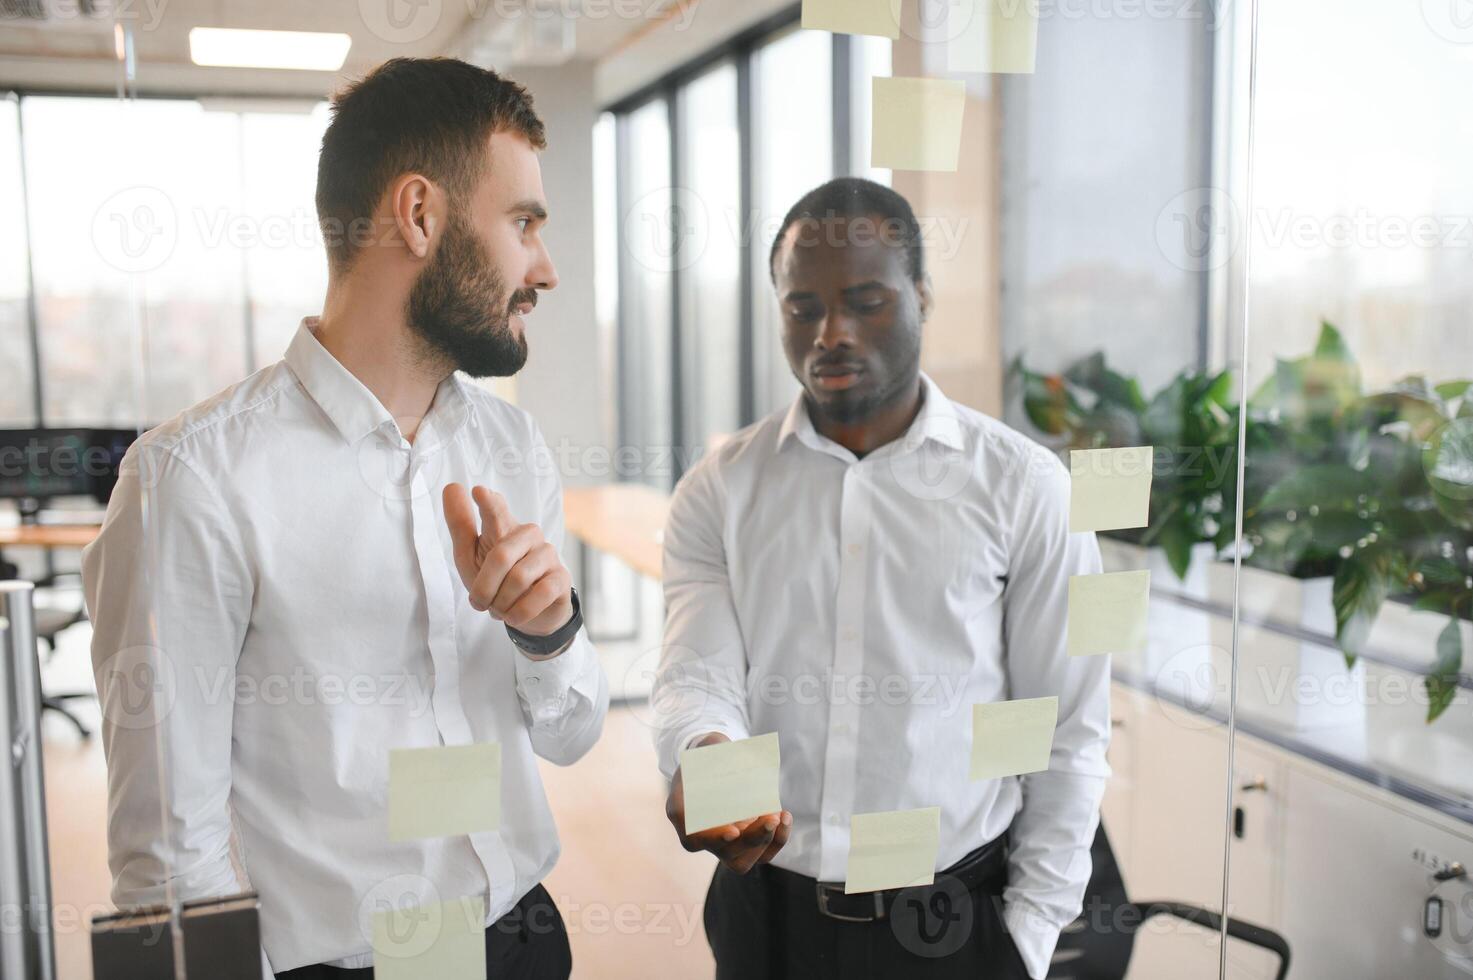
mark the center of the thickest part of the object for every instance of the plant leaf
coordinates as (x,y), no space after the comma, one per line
(1442,681)
(1361,586)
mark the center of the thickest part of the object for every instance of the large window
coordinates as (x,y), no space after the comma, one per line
(709,161)
(17,395)
(181,229)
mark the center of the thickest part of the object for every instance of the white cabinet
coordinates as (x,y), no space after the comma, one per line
(1339,867)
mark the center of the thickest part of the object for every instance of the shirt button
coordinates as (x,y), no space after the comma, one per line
(841,729)
(855,550)
(849,636)
(533,679)
(834,819)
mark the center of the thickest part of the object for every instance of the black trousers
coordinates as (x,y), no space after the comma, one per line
(528,943)
(766,925)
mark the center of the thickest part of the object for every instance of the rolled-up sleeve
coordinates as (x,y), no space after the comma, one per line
(564,698)
(1049,865)
(169,593)
(700,686)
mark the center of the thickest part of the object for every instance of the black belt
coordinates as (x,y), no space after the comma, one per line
(986,865)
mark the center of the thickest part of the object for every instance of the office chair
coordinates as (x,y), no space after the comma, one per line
(49,624)
(1098,944)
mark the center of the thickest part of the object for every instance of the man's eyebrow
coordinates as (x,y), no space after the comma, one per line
(531,207)
(870,284)
(798,295)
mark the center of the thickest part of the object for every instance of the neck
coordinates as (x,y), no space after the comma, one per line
(363,325)
(884,425)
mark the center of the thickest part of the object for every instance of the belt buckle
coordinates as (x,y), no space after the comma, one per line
(823,906)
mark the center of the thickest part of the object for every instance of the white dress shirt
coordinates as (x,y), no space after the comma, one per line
(276,562)
(859,608)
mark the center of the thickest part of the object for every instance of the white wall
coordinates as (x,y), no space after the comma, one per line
(563,382)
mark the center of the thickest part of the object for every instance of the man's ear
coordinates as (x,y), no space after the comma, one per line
(923,291)
(415,205)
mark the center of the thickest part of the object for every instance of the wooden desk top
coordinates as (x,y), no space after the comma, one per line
(48,535)
(623,519)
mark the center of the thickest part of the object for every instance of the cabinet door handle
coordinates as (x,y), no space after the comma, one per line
(1258,784)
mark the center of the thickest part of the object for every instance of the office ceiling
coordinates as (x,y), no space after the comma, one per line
(57,44)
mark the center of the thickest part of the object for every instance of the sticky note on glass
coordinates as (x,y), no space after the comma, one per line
(998,36)
(730,781)
(1107,613)
(893,849)
(444,791)
(1109,489)
(880,18)
(917,123)
(1010,738)
(446,941)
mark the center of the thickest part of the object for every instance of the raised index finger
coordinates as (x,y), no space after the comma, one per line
(460,518)
(496,519)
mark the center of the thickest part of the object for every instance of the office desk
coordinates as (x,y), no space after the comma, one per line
(48,535)
(626,520)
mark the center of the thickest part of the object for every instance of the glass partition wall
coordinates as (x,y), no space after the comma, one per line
(1353,760)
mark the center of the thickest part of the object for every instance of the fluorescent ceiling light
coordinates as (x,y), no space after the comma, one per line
(222,47)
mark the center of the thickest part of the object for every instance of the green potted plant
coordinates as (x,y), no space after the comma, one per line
(1373,491)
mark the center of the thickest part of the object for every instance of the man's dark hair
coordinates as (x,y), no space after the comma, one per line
(430,116)
(855,197)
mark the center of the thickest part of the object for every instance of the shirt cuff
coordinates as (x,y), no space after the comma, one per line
(545,684)
(1035,935)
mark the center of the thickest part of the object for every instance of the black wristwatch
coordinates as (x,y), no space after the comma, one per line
(541,646)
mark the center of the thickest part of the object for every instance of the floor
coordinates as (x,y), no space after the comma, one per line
(631,896)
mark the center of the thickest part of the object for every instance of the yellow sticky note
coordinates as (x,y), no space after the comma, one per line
(444,791)
(998,36)
(880,18)
(730,781)
(917,123)
(446,941)
(893,849)
(1107,613)
(1110,488)
(1010,738)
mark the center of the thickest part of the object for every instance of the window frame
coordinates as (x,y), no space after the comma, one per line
(739,51)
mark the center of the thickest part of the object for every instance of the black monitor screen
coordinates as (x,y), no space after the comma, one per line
(44,463)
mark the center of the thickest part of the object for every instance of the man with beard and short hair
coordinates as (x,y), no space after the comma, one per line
(298,563)
(854,573)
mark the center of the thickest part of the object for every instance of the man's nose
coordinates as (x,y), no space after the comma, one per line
(542,275)
(836,330)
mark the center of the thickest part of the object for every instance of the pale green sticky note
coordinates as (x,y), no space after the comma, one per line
(880,18)
(999,36)
(446,941)
(1107,613)
(1110,489)
(1010,738)
(893,849)
(444,791)
(730,781)
(917,123)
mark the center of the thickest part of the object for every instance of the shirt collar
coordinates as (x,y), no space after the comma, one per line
(353,409)
(937,421)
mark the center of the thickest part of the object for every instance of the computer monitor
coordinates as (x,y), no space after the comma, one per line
(37,465)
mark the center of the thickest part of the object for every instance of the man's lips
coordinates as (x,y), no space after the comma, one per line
(836,377)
